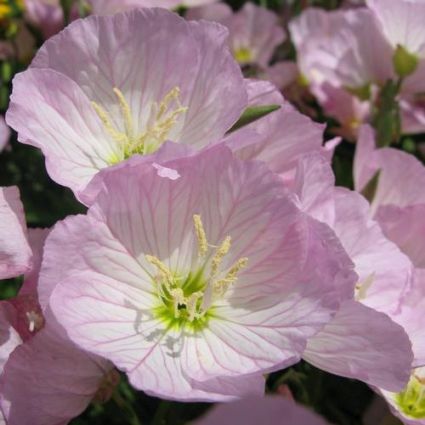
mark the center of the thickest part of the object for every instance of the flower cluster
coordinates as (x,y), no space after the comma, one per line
(213,248)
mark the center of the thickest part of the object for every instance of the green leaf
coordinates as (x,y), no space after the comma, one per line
(252,114)
(404,62)
(387,115)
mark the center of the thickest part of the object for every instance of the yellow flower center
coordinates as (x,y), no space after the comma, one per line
(187,298)
(411,401)
(162,119)
(363,286)
(243,55)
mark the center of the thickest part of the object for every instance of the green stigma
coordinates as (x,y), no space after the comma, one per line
(411,401)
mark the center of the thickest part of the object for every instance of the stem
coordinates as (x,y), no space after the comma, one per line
(123,404)
(161,413)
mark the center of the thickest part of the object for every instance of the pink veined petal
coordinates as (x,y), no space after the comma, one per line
(402,22)
(36,239)
(412,319)
(202,66)
(46,15)
(339,47)
(380,264)
(283,136)
(363,344)
(101,58)
(405,227)
(218,12)
(49,381)
(107,299)
(62,123)
(281,74)
(10,339)
(257,30)
(365,161)
(268,410)
(15,253)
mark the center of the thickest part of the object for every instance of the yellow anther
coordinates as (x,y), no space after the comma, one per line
(219,255)
(126,113)
(106,120)
(362,287)
(221,286)
(165,272)
(200,234)
(162,119)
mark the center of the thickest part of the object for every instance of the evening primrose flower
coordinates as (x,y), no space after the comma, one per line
(15,253)
(254,31)
(194,286)
(365,340)
(37,387)
(118,93)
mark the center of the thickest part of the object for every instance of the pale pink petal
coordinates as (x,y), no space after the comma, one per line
(283,135)
(384,271)
(363,344)
(106,298)
(46,15)
(411,316)
(402,22)
(49,381)
(256,30)
(365,163)
(217,12)
(406,227)
(401,175)
(340,47)
(253,411)
(51,112)
(101,57)
(202,67)
(281,74)
(9,338)
(15,253)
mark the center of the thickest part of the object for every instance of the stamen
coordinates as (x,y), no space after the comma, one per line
(200,234)
(362,287)
(163,269)
(161,121)
(126,113)
(221,286)
(219,255)
(106,120)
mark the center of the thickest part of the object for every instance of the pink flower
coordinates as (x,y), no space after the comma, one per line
(4,133)
(399,200)
(176,280)
(254,32)
(119,92)
(278,139)
(47,15)
(253,411)
(401,22)
(36,386)
(361,341)
(109,7)
(15,253)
